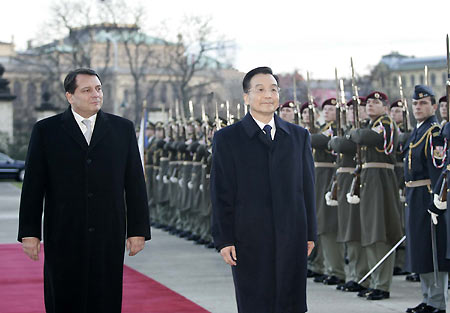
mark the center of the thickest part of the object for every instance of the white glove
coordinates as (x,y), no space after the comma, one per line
(352,199)
(201,187)
(329,201)
(439,204)
(158,177)
(173,179)
(180,182)
(434,217)
(165,180)
(190,185)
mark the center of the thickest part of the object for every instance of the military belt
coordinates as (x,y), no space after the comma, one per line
(323,164)
(418,183)
(164,159)
(345,170)
(208,176)
(399,164)
(378,165)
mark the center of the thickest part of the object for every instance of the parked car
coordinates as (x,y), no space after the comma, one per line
(10,168)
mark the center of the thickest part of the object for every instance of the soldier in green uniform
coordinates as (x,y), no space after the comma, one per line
(349,225)
(443,109)
(396,113)
(324,162)
(287,111)
(379,199)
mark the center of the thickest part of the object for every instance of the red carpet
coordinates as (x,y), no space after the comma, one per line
(22,289)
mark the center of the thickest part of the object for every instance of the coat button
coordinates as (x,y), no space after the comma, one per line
(91,229)
(88,161)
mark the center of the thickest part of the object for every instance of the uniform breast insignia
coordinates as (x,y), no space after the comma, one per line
(439,152)
(328,132)
(378,129)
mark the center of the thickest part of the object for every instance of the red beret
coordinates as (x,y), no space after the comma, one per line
(305,106)
(288,104)
(377,95)
(362,101)
(397,104)
(331,101)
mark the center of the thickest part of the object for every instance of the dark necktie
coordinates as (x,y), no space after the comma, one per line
(267,129)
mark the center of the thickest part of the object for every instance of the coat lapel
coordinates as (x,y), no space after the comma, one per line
(101,128)
(71,127)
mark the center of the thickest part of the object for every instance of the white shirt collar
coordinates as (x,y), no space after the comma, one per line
(419,124)
(271,124)
(79,119)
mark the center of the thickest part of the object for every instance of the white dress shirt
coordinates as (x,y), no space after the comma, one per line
(79,119)
(271,124)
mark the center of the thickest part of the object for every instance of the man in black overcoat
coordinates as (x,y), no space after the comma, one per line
(85,164)
(262,190)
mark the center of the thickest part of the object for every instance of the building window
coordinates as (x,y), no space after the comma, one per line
(404,82)
(394,81)
(444,78)
(163,93)
(413,80)
(433,79)
(421,79)
(31,95)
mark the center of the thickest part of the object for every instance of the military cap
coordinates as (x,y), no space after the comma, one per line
(443,99)
(305,106)
(150,125)
(362,102)
(288,104)
(159,125)
(422,91)
(330,101)
(397,104)
(377,95)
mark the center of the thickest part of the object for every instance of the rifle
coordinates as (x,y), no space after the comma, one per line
(312,126)
(443,191)
(404,105)
(356,182)
(343,102)
(334,184)
(294,82)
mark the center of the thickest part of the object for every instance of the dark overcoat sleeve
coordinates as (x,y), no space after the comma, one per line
(138,221)
(33,188)
(366,137)
(223,193)
(308,188)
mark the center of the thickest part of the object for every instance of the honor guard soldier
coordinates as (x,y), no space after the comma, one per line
(424,160)
(349,225)
(443,109)
(304,113)
(287,111)
(324,162)
(379,198)
(396,113)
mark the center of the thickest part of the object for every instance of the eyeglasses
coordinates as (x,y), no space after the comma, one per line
(262,91)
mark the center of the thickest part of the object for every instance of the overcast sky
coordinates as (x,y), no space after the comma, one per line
(287,35)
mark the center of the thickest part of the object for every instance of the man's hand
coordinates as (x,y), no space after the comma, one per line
(135,244)
(31,246)
(229,255)
(310,247)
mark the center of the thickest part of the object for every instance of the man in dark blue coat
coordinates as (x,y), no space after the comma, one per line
(424,159)
(262,189)
(86,165)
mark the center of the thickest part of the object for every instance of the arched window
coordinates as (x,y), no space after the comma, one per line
(413,80)
(31,96)
(394,81)
(421,79)
(404,82)
(163,93)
